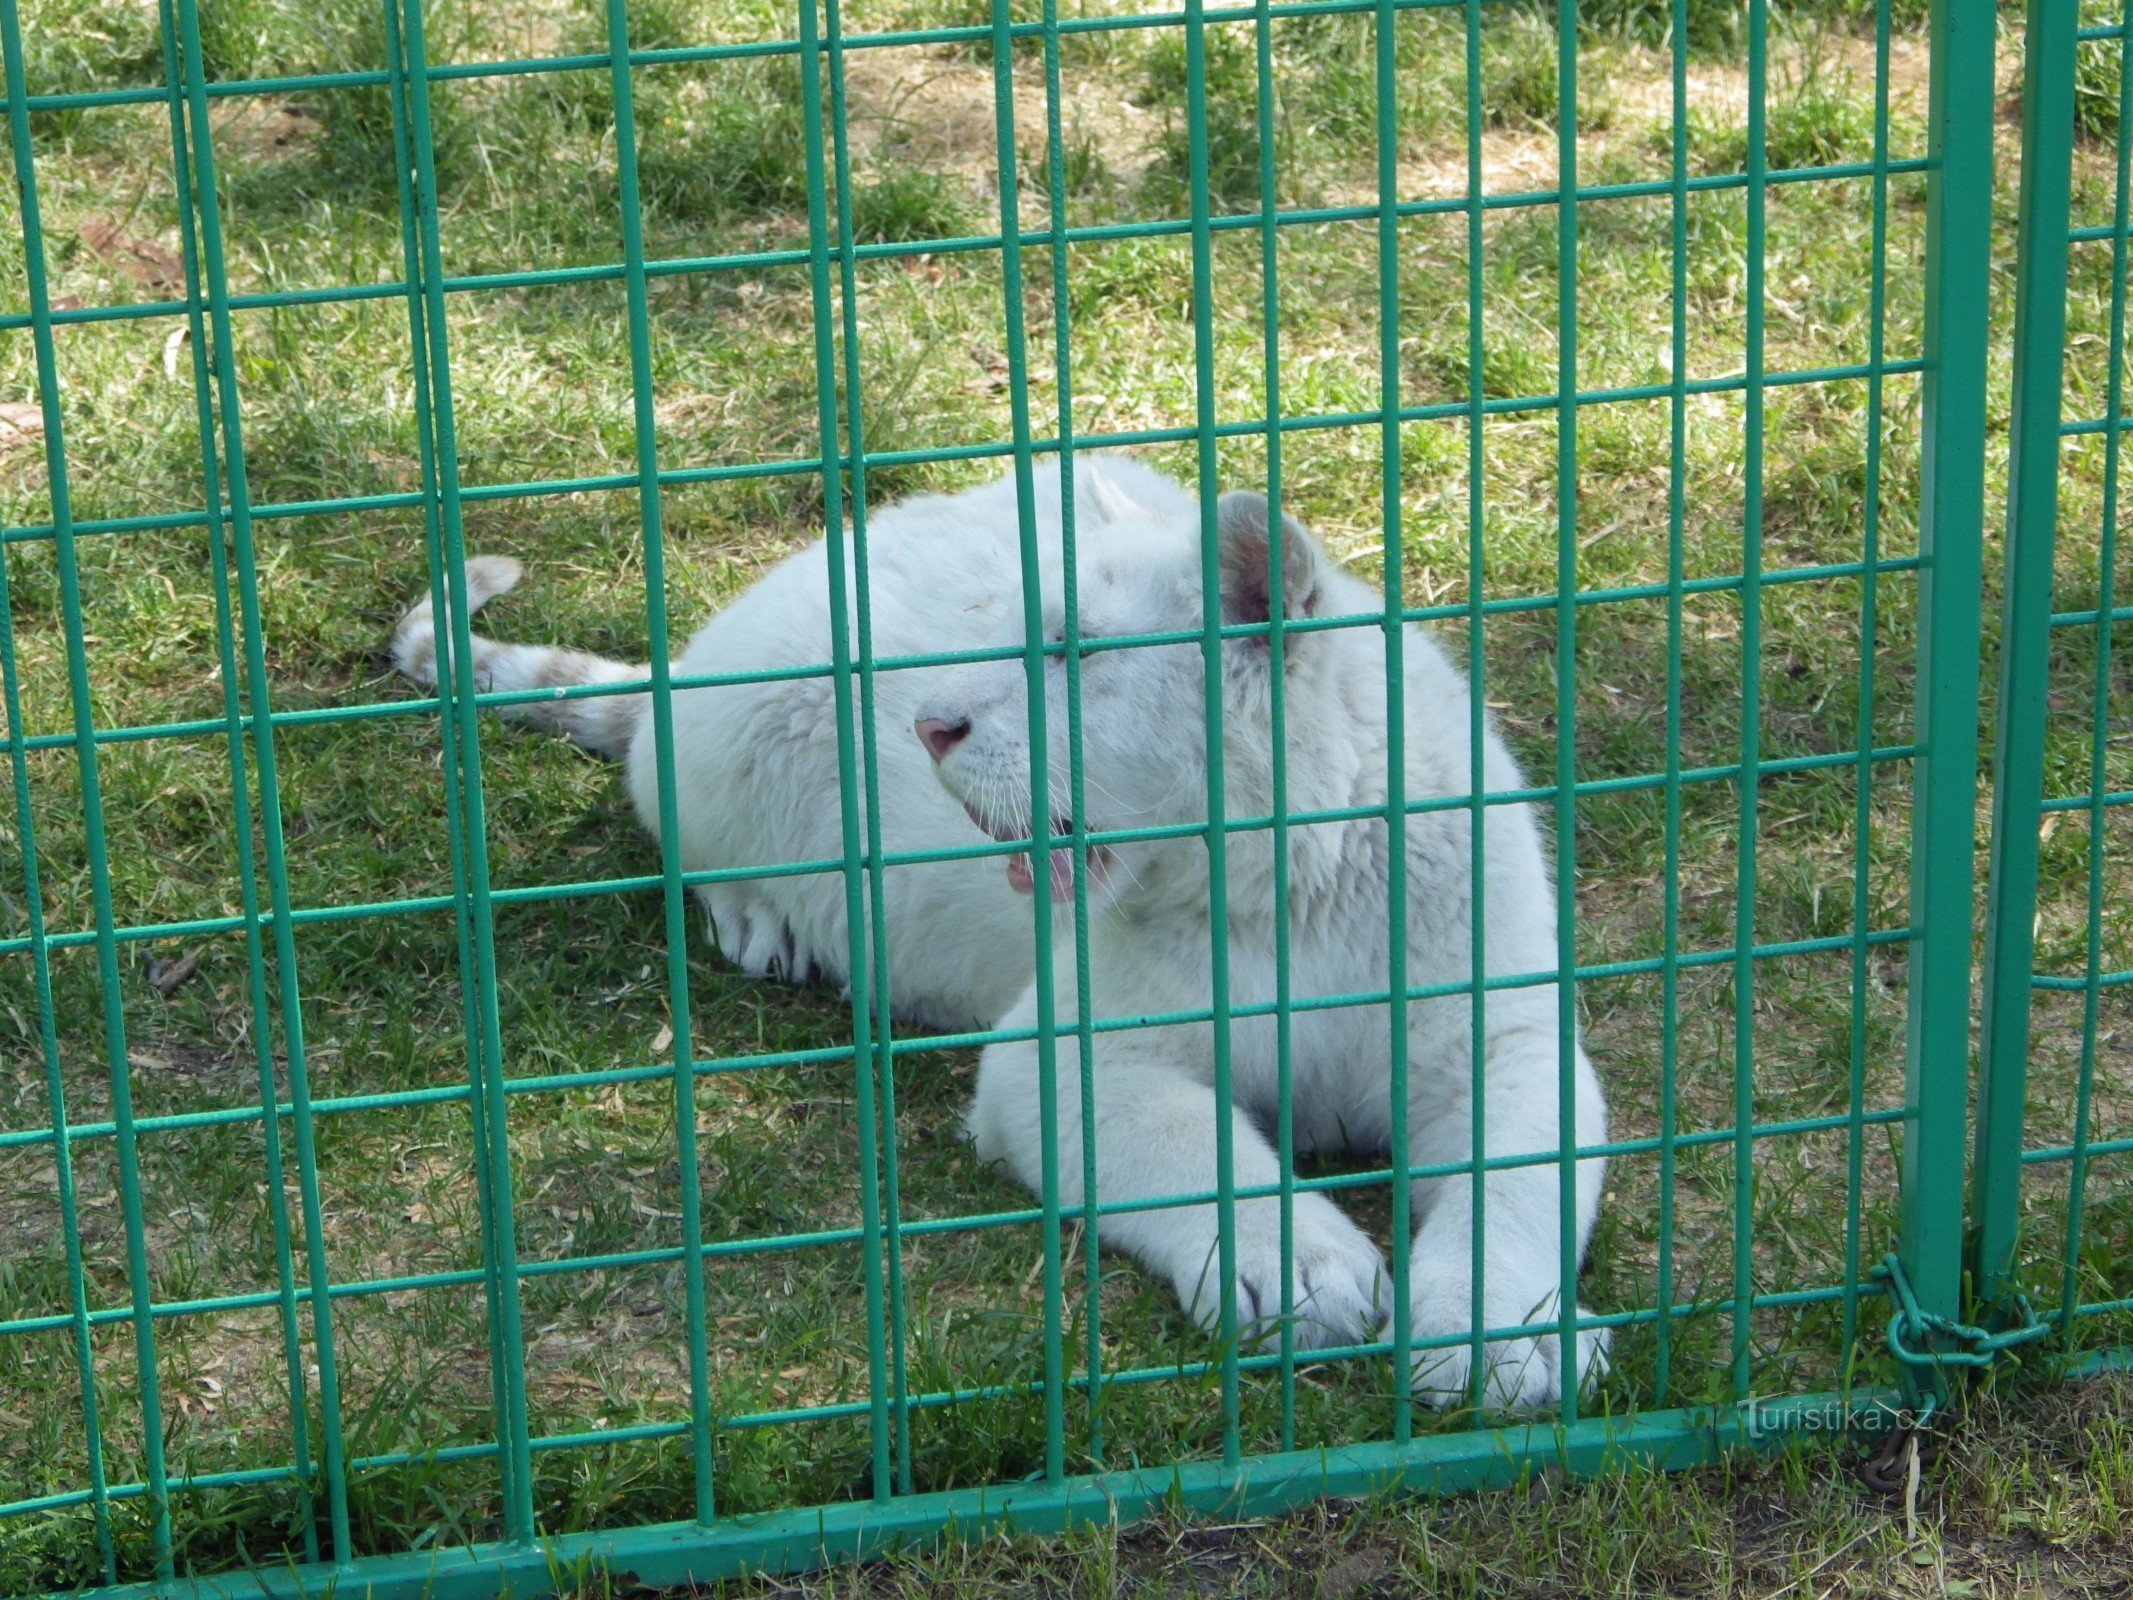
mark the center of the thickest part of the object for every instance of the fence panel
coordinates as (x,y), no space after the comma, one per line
(2050,1185)
(1769,1089)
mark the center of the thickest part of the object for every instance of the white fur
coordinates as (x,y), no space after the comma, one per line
(757,784)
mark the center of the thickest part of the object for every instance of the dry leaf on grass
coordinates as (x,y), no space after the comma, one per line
(165,976)
(994,374)
(20,424)
(146,262)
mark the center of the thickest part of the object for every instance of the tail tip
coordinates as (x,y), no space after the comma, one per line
(414,642)
(490,576)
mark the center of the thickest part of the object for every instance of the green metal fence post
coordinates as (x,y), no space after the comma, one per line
(1870,544)
(1277,708)
(1084,1006)
(64,1195)
(140,1289)
(484,1048)
(674,898)
(181,138)
(2025,637)
(1203,367)
(252,636)
(1477,727)
(1566,668)
(856,844)
(1950,537)
(876,1086)
(1396,975)
(448,714)
(1676,576)
(1751,708)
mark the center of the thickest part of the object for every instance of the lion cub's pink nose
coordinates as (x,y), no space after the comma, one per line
(939,737)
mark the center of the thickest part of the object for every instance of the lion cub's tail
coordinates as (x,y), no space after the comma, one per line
(603,724)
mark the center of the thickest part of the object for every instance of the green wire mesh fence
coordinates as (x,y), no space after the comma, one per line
(2050,1135)
(718,1450)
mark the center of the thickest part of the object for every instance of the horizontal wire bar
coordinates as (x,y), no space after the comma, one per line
(965,244)
(687,54)
(1339,1182)
(2082,802)
(926,1043)
(2090,617)
(2103,1308)
(941,1399)
(934,1042)
(240,1477)
(2071,430)
(1445,411)
(553,1083)
(497,699)
(777,1244)
(2065,1152)
(1775,1300)
(2058,985)
(541,894)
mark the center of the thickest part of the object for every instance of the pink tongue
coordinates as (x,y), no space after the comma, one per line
(1061,864)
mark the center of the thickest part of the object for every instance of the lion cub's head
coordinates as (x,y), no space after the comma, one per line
(1142,709)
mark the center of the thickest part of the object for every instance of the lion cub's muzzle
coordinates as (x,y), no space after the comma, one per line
(1012,826)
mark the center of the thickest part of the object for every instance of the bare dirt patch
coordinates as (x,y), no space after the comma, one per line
(253,128)
(940,112)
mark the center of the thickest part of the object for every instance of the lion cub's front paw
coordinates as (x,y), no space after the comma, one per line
(1339,1289)
(1518,1374)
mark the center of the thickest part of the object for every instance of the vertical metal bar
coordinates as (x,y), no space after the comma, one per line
(875,1094)
(240,800)
(55,1088)
(1566,678)
(673,896)
(2099,728)
(1676,550)
(1042,841)
(507,1341)
(1863,773)
(1477,722)
(2025,635)
(1203,366)
(848,786)
(1084,1013)
(1388,254)
(448,713)
(107,970)
(318,1273)
(1951,536)
(1751,713)
(1278,727)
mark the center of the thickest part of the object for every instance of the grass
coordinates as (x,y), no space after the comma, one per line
(2096,89)
(541,378)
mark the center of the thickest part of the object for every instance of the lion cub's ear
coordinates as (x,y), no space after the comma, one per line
(1241,518)
(1103,497)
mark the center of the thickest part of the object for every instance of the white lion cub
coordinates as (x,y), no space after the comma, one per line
(756,765)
